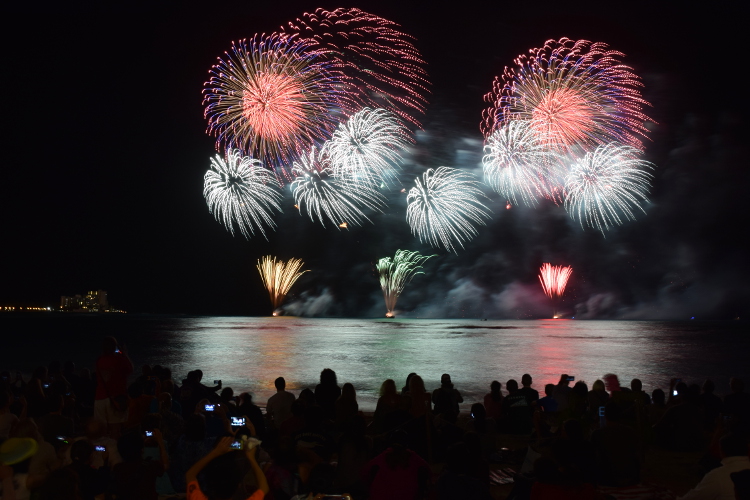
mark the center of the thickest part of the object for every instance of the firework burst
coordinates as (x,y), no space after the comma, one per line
(554,279)
(271,96)
(444,206)
(605,183)
(278,277)
(518,165)
(367,148)
(396,273)
(573,93)
(240,191)
(325,196)
(382,66)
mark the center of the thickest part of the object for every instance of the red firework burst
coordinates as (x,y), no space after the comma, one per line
(554,279)
(383,68)
(272,97)
(572,93)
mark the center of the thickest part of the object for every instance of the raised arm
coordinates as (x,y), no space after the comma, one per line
(222,447)
(260,477)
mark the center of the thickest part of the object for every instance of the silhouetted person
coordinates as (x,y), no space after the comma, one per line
(327,392)
(636,386)
(190,447)
(54,423)
(526,389)
(516,410)
(548,403)
(616,447)
(446,398)
(314,436)
(346,407)
(405,389)
(224,472)
(135,478)
(597,399)
(353,454)
(658,406)
(296,421)
(718,483)
(484,427)
(247,408)
(398,473)
(737,404)
(111,401)
(681,427)
(389,404)
(578,400)
(562,392)
(279,406)
(91,481)
(493,401)
(456,480)
(711,405)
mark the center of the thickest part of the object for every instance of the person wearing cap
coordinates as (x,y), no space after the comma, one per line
(15,457)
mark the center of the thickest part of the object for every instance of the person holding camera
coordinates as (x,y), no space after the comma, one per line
(135,477)
(224,477)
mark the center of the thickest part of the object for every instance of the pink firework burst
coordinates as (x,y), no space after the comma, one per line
(573,93)
(271,97)
(383,68)
(554,279)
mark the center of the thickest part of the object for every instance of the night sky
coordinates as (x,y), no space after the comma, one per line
(105,151)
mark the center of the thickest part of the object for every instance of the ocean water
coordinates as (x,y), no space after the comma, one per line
(247,354)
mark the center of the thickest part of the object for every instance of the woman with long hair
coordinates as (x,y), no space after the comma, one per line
(346,407)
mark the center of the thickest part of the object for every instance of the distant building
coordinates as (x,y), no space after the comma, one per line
(93,301)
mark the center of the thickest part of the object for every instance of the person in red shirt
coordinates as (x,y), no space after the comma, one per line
(224,487)
(111,401)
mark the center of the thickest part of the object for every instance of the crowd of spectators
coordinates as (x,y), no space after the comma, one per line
(70,433)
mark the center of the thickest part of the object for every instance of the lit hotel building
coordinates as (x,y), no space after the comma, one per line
(93,301)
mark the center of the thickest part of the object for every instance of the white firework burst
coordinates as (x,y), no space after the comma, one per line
(238,190)
(605,186)
(517,164)
(325,196)
(444,206)
(367,148)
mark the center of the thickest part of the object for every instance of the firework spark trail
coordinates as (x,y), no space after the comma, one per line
(271,96)
(554,279)
(278,277)
(383,68)
(607,182)
(444,206)
(367,148)
(396,273)
(517,164)
(573,93)
(323,195)
(240,191)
